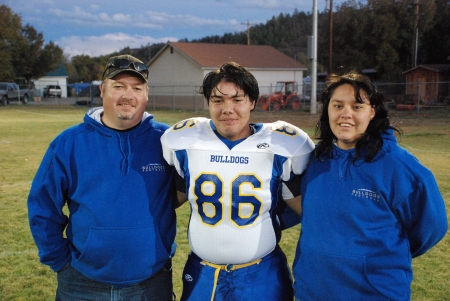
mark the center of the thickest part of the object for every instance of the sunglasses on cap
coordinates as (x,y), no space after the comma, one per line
(125,64)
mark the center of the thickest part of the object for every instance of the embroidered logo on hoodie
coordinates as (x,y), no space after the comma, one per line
(153,167)
(366,193)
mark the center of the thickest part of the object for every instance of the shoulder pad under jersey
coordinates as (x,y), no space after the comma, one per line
(187,132)
(288,140)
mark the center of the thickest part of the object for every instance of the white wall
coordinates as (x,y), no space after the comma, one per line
(174,69)
(267,78)
(51,80)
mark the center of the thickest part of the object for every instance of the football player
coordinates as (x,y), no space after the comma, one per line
(233,172)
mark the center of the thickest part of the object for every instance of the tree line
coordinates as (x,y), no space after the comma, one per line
(22,49)
(377,34)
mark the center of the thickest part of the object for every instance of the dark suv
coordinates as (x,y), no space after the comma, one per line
(52,91)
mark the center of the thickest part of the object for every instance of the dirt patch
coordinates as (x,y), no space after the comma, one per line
(300,119)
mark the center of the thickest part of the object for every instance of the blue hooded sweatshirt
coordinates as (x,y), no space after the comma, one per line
(362,224)
(117,186)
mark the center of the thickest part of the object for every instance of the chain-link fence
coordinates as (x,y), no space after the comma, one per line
(410,96)
(189,98)
(400,96)
(44,89)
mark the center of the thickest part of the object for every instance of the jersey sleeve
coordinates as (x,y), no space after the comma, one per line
(168,151)
(301,157)
(293,143)
(179,137)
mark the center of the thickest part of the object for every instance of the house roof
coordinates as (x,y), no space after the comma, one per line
(61,71)
(250,56)
(440,68)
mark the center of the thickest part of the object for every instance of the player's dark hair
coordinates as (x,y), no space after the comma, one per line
(232,73)
(371,141)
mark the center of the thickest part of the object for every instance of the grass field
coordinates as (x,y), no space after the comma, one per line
(26,131)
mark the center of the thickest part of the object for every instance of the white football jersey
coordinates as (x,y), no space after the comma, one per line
(232,192)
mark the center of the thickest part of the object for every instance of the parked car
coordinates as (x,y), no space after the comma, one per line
(11,92)
(52,91)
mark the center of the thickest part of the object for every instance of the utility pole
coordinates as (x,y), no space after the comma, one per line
(248,30)
(416,32)
(313,108)
(330,59)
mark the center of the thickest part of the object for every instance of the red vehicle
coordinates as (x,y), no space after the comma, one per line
(284,97)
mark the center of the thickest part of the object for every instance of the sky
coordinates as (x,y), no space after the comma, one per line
(100,27)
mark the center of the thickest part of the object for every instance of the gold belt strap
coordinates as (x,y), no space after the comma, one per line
(228,268)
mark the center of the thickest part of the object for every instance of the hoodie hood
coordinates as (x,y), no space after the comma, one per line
(93,118)
(124,138)
(96,114)
(346,157)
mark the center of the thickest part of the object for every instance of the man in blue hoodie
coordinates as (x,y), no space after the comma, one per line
(117,239)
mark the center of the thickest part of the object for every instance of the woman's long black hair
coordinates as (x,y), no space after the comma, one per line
(371,141)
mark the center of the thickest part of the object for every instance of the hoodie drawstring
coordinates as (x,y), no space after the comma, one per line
(126,154)
(345,167)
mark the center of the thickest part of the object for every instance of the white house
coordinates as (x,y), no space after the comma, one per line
(56,77)
(179,68)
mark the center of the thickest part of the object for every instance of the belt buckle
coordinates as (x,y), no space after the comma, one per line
(228,268)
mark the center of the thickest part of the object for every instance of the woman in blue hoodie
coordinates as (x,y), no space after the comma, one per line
(368,205)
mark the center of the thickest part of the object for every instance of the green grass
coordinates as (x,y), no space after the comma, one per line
(26,131)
